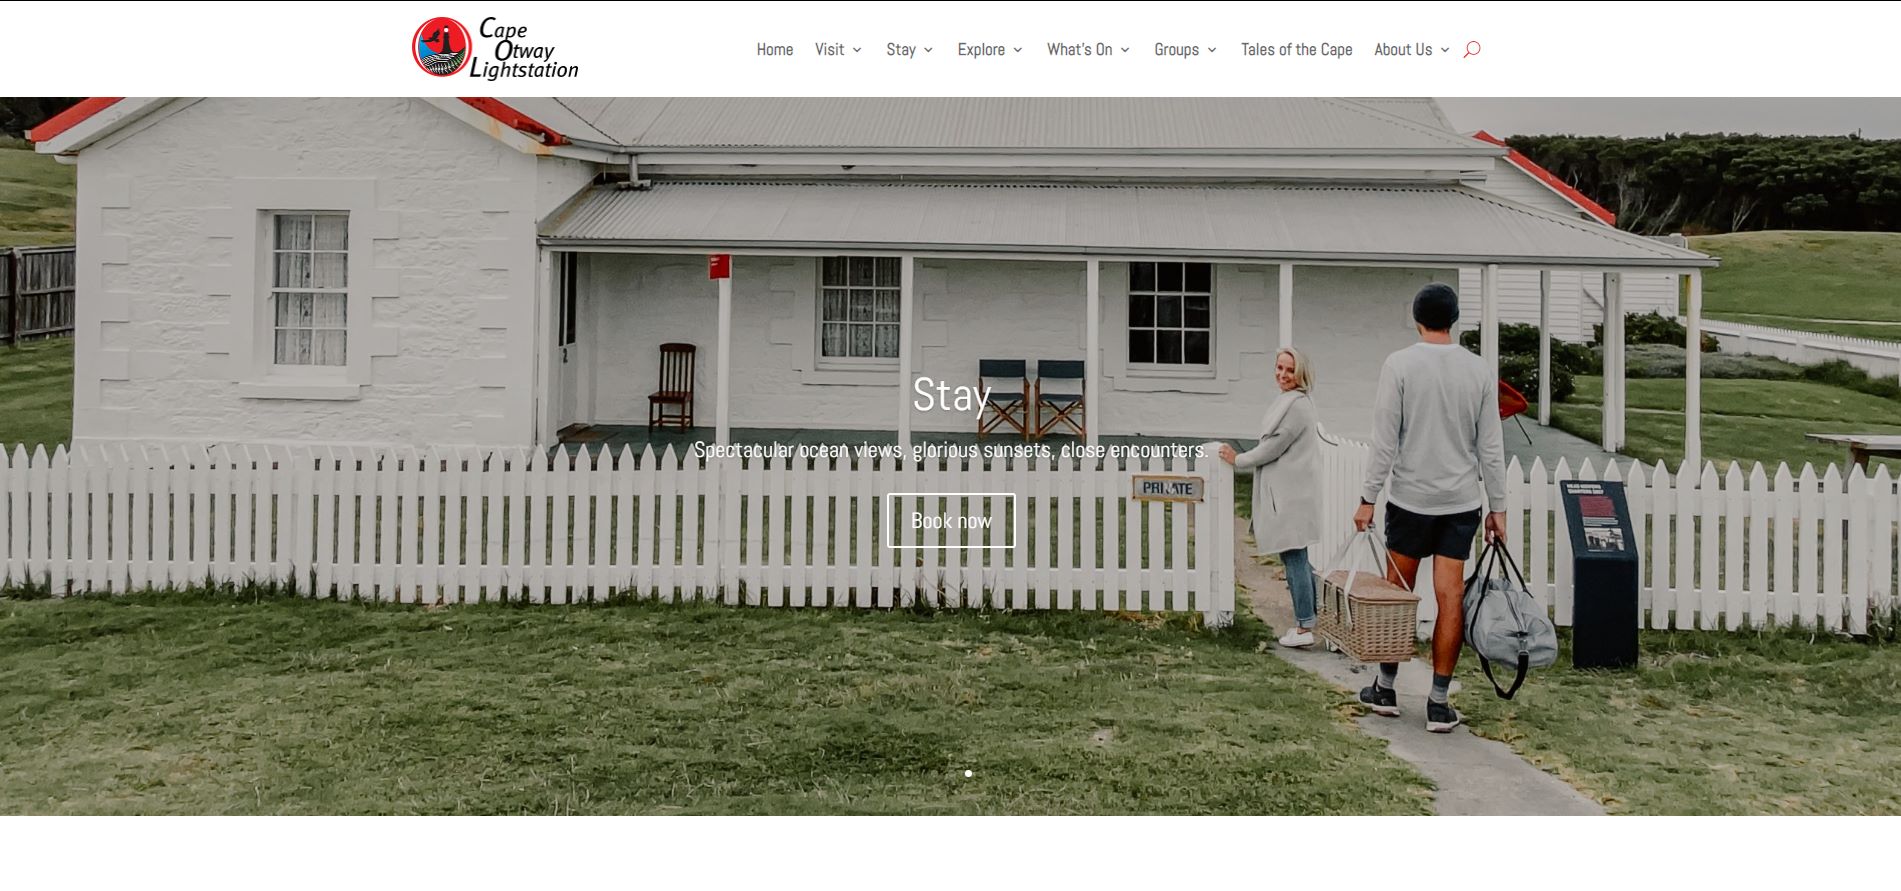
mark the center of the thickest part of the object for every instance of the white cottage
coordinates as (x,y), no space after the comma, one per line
(497,272)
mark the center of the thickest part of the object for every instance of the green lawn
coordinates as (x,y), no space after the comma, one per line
(36,198)
(1743,420)
(36,393)
(1716,723)
(207,704)
(1785,278)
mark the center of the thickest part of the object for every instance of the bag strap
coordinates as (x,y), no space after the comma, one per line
(1524,665)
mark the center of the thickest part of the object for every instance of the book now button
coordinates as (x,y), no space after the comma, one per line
(947,520)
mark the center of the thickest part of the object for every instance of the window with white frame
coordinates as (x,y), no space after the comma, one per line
(858,310)
(310,265)
(1171,314)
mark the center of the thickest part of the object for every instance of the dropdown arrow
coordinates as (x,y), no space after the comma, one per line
(927,49)
(856,48)
(1016,49)
(1124,49)
(1445,49)
(1213,48)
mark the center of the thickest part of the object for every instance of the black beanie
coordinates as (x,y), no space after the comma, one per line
(1436,306)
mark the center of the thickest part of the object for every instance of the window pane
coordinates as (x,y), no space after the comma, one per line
(293,270)
(832,272)
(835,340)
(293,347)
(326,347)
(1141,346)
(887,341)
(1197,312)
(1141,276)
(329,270)
(1141,311)
(293,232)
(331,232)
(861,306)
(1168,277)
(887,306)
(861,341)
(1200,278)
(834,305)
(1168,311)
(327,310)
(1168,347)
(889,272)
(293,310)
(1195,347)
(861,270)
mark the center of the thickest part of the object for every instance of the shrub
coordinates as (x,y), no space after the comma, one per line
(1521,371)
(1653,327)
(1522,340)
(1840,373)
(1657,360)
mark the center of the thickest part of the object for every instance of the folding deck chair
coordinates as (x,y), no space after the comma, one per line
(1009,401)
(1066,402)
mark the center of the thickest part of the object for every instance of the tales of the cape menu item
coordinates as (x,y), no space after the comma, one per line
(1604,554)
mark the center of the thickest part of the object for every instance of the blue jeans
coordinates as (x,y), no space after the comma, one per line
(1300,583)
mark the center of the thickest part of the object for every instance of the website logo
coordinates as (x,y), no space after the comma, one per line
(441,46)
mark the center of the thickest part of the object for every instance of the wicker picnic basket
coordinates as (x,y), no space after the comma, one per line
(1360,612)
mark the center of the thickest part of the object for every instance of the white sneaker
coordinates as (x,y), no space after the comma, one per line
(1297,638)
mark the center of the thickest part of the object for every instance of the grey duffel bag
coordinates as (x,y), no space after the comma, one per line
(1503,623)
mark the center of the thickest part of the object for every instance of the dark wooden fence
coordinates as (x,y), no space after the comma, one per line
(36,293)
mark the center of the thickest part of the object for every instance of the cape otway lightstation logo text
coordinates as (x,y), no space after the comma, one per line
(443,47)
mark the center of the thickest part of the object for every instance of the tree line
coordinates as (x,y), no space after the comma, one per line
(1715,183)
(19,114)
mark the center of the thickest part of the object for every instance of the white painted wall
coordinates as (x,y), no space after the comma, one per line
(448,234)
(1348,319)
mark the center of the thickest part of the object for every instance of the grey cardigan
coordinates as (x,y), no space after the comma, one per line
(1286,481)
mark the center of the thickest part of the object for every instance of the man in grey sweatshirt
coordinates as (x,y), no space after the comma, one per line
(1439,454)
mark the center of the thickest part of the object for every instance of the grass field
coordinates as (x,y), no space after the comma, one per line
(36,198)
(202,704)
(1794,279)
(36,393)
(1716,723)
(1743,420)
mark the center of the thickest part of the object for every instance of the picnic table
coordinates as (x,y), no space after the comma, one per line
(1861,446)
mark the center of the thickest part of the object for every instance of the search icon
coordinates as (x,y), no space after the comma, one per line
(1471,49)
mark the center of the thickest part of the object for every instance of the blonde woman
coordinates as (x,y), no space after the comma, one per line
(1286,479)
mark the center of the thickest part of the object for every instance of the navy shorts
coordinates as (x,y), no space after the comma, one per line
(1431,535)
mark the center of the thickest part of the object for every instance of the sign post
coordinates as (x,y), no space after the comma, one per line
(719,267)
(1604,612)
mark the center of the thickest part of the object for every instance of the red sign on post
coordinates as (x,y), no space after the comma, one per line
(719,266)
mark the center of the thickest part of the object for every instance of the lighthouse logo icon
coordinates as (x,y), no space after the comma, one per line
(441,46)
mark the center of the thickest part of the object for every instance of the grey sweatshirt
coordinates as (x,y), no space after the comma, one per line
(1436,432)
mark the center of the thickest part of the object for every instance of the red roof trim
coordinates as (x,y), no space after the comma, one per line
(70,118)
(499,110)
(1572,195)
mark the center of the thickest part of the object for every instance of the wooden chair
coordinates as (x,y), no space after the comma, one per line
(676,388)
(1066,402)
(1009,401)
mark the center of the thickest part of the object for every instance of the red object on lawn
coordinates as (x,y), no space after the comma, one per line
(1512,403)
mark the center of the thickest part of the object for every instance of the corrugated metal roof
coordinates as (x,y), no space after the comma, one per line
(1439,224)
(1012,123)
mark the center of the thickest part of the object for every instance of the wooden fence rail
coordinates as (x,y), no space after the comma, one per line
(36,293)
(451,527)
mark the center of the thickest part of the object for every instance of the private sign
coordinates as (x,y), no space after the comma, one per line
(1168,488)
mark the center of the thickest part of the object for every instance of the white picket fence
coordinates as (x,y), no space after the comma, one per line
(458,527)
(1730,550)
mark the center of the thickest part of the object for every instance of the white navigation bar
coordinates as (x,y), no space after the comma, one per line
(945,49)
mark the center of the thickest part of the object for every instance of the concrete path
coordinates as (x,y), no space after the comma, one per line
(1473,776)
(1550,443)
